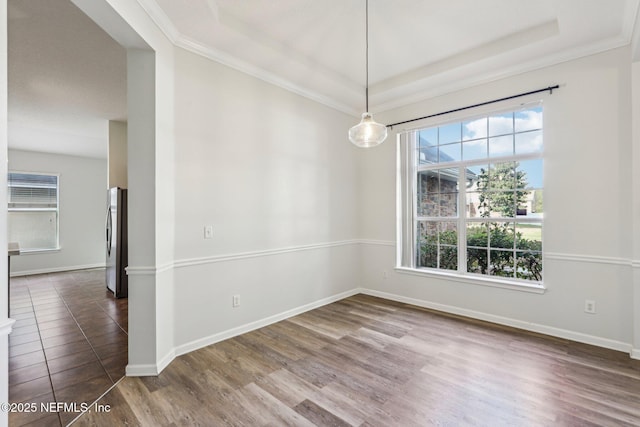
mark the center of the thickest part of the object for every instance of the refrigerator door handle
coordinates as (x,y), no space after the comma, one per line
(108,231)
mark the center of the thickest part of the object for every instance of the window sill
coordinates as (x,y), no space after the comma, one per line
(537,288)
(38,251)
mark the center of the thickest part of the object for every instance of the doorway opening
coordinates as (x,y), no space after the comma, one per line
(70,335)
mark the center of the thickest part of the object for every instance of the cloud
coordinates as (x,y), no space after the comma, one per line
(502,145)
(475,129)
(504,124)
(529,119)
(528,142)
(500,125)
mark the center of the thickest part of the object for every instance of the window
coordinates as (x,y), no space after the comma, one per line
(471,196)
(33,210)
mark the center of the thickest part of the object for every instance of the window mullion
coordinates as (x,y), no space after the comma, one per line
(435,154)
(462,214)
(412,175)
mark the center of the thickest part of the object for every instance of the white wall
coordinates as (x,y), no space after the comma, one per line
(117,154)
(5,322)
(241,155)
(150,151)
(276,177)
(82,206)
(271,171)
(587,239)
(287,196)
(635,211)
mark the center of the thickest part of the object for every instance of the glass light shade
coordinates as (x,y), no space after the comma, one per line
(367,133)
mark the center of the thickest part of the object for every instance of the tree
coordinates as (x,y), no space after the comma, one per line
(538,203)
(503,189)
(493,248)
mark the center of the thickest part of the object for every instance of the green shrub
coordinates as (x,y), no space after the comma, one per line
(528,264)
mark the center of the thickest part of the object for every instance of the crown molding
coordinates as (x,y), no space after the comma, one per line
(160,18)
(260,73)
(422,90)
(396,96)
(163,22)
(630,25)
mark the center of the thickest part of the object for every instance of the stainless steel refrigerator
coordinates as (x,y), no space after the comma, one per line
(116,234)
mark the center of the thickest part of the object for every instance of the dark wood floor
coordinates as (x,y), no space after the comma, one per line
(69,342)
(365,361)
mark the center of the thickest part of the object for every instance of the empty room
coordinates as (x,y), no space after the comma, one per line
(340,212)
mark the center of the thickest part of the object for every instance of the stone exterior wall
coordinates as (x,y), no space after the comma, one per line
(440,201)
(437,199)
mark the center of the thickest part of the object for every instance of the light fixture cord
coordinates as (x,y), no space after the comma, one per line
(367,54)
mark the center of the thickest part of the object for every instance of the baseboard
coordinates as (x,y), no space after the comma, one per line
(230,333)
(527,326)
(56,269)
(153,370)
(168,358)
(149,370)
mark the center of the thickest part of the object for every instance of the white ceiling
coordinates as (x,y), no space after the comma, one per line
(67,77)
(418,48)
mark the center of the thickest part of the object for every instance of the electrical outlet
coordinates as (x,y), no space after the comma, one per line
(590,306)
(385,274)
(208,231)
(236,301)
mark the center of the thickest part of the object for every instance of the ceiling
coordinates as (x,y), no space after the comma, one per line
(417,48)
(67,77)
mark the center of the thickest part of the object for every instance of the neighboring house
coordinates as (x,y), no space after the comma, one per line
(438,191)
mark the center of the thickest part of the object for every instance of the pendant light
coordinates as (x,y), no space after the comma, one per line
(367,133)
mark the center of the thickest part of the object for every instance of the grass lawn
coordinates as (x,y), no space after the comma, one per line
(530,231)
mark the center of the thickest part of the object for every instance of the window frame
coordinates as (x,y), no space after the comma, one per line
(56,209)
(408,218)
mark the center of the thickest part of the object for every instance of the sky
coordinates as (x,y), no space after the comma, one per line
(493,136)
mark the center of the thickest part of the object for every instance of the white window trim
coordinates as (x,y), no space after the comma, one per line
(406,216)
(475,279)
(39,251)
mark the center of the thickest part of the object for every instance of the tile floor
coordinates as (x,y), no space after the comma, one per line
(69,342)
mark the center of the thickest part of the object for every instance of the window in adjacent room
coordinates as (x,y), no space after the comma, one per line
(472,196)
(33,210)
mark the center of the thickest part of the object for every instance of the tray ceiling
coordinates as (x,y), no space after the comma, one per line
(418,48)
(67,77)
